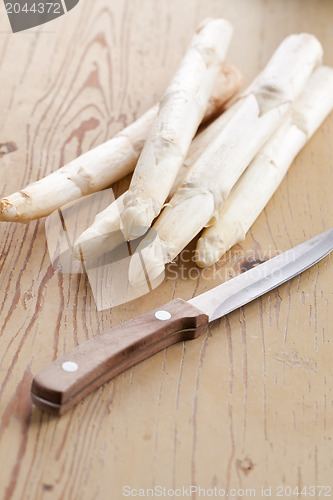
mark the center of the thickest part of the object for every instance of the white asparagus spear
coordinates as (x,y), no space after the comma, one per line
(228,82)
(198,145)
(105,164)
(263,176)
(88,173)
(104,234)
(180,114)
(210,180)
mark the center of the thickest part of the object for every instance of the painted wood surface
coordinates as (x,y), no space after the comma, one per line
(247,405)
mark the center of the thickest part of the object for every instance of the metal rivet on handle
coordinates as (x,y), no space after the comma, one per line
(70,366)
(162,315)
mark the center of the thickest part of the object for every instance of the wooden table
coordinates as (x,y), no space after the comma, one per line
(249,404)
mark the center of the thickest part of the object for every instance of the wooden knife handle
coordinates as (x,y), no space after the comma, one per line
(70,378)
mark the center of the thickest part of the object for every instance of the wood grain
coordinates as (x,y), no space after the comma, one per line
(248,404)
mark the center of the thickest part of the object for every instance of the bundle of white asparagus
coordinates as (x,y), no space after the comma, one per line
(218,164)
(249,124)
(220,181)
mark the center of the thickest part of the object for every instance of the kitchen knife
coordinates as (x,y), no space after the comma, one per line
(77,373)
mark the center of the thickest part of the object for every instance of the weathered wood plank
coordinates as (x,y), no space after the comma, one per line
(249,404)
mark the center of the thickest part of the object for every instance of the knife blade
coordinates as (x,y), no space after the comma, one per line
(246,287)
(66,381)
